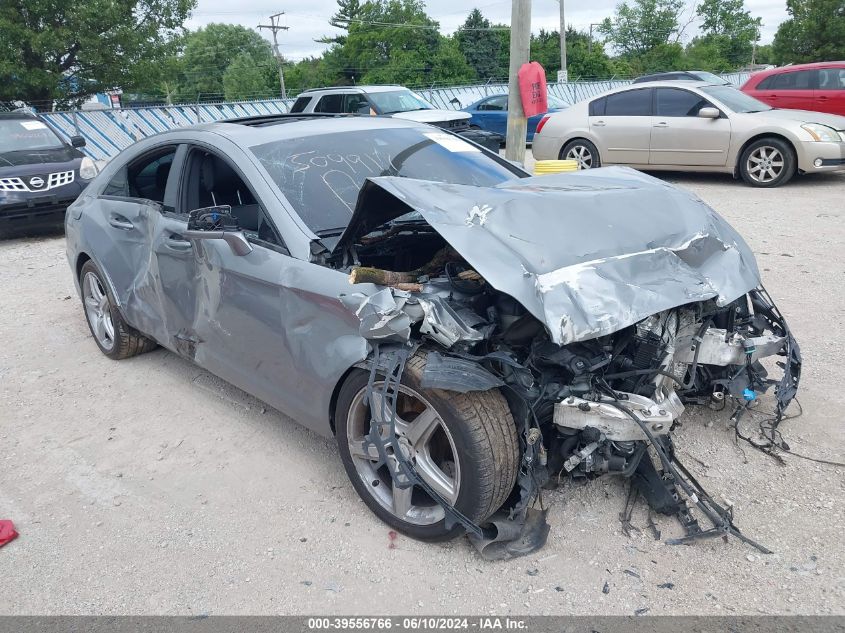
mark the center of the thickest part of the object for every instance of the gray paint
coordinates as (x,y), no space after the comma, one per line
(587,254)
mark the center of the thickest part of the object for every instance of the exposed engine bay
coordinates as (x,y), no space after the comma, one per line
(603,403)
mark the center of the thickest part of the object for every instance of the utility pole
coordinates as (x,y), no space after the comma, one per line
(520,50)
(590,43)
(274,28)
(563,76)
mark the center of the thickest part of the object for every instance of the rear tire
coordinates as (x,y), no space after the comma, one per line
(114,336)
(767,162)
(583,151)
(474,437)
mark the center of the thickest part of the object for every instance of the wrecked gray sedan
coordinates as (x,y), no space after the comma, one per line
(468,333)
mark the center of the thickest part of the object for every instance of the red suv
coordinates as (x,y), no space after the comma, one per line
(819,87)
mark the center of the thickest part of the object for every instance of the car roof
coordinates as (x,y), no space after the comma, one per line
(17,115)
(357,89)
(264,129)
(664,83)
(758,76)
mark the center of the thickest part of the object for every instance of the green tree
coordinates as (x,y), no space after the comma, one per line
(480,45)
(210,50)
(730,27)
(639,28)
(705,53)
(347,12)
(396,41)
(312,72)
(244,79)
(584,59)
(74,48)
(814,32)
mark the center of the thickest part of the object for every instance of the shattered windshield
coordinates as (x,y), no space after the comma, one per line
(393,101)
(321,175)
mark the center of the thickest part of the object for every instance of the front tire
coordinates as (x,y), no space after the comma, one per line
(583,151)
(767,162)
(114,336)
(464,446)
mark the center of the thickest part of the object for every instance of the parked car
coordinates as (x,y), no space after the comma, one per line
(491,114)
(683,75)
(394,101)
(694,127)
(40,174)
(433,308)
(819,87)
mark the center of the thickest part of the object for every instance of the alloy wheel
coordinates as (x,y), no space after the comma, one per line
(765,164)
(424,440)
(98,310)
(581,154)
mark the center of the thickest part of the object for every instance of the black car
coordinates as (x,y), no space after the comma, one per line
(683,75)
(40,174)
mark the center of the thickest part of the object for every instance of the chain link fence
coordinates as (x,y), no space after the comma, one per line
(107,132)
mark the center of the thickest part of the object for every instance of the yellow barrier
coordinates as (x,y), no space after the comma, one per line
(542,167)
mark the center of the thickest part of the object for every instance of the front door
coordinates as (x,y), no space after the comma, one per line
(680,137)
(624,130)
(830,92)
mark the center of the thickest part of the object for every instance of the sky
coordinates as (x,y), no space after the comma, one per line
(309,21)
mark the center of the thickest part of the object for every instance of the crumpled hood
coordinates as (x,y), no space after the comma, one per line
(587,253)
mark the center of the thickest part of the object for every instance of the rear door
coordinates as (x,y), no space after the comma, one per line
(830,91)
(622,126)
(121,237)
(680,137)
(793,90)
(331,103)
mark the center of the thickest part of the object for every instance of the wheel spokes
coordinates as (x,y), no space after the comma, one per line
(402,499)
(420,430)
(439,481)
(356,449)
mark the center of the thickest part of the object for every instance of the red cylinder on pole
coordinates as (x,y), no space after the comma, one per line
(532,89)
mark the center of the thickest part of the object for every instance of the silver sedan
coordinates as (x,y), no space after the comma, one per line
(694,126)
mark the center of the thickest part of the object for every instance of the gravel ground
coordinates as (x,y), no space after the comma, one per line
(149,486)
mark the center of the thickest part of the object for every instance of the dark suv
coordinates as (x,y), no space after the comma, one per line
(40,174)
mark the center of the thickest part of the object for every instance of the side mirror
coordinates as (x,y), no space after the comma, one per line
(709,113)
(217,223)
(77,141)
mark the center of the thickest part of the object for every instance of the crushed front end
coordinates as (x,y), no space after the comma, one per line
(597,350)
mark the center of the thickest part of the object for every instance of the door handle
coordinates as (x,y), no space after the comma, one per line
(599,123)
(822,98)
(661,124)
(178,243)
(119,222)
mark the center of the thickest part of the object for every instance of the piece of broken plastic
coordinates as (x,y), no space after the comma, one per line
(7,532)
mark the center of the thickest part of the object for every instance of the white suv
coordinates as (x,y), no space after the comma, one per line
(394,101)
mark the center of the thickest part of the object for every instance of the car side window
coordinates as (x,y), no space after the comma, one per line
(797,80)
(629,103)
(144,178)
(356,104)
(300,104)
(330,103)
(597,107)
(675,102)
(831,79)
(213,181)
(497,104)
